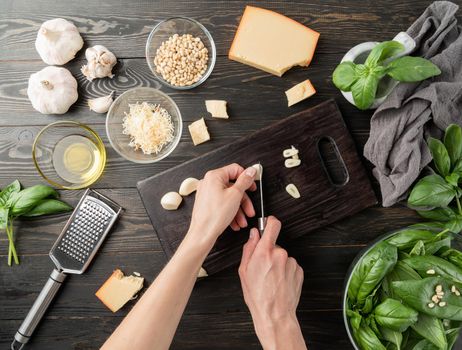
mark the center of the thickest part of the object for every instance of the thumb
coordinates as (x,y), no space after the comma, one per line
(250,246)
(246,179)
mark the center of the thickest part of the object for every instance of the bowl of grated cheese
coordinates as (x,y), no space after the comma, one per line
(144,125)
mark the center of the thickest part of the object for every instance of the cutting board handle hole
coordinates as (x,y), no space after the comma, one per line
(332,161)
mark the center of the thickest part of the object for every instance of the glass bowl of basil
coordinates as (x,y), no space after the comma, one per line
(403,291)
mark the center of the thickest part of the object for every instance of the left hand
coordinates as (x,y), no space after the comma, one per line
(221,200)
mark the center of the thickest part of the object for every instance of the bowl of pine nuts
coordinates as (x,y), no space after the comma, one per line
(181,53)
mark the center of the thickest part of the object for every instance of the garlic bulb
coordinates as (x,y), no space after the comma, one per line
(101,104)
(100,63)
(52,90)
(58,40)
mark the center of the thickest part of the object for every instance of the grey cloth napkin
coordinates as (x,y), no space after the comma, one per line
(396,145)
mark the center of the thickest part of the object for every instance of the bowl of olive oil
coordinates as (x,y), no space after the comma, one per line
(69,155)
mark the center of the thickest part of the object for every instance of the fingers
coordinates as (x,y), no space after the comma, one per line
(240,218)
(234,225)
(249,248)
(272,229)
(245,180)
(231,171)
(247,206)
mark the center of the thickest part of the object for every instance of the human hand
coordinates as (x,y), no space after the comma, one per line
(220,202)
(272,283)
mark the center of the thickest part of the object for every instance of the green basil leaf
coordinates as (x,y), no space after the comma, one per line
(25,200)
(393,337)
(8,191)
(442,267)
(367,339)
(344,76)
(418,294)
(48,206)
(453,256)
(383,51)
(407,238)
(370,271)
(451,336)
(374,327)
(431,328)
(453,142)
(430,226)
(418,249)
(394,315)
(424,344)
(454,225)
(438,214)
(3,217)
(401,272)
(412,69)
(452,179)
(440,156)
(458,167)
(355,319)
(364,90)
(435,247)
(431,191)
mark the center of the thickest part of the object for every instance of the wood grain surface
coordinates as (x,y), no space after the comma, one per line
(322,201)
(216,317)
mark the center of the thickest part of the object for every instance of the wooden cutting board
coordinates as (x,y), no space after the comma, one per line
(322,201)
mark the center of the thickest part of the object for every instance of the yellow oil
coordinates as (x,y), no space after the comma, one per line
(77,159)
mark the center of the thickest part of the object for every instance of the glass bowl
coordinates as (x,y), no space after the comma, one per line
(455,243)
(179,25)
(116,114)
(69,155)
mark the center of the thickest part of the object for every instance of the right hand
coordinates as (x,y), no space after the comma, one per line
(272,283)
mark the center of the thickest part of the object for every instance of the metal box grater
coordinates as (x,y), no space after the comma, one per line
(72,252)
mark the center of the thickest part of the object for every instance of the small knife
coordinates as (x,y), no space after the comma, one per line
(262,218)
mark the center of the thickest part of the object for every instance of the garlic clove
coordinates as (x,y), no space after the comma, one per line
(171,201)
(57,42)
(101,104)
(290,152)
(259,168)
(202,273)
(292,163)
(293,190)
(100,63)
(188,186)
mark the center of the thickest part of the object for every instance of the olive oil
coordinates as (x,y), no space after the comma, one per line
(77,159)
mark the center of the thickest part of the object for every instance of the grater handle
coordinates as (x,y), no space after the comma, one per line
(37,310)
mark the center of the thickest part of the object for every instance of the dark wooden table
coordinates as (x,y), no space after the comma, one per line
(216,316)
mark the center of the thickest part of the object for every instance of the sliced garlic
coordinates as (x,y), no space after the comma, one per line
(202,273)
(293,190)
(188,186)
(291,152)
(292,163)
(171,201)
(101,104)
(259,168)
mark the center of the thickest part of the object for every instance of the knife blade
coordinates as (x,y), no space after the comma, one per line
(262,218)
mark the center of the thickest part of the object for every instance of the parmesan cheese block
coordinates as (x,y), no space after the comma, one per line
(217,108)
(272,42)
(118,289)
(199,132)
(300,92)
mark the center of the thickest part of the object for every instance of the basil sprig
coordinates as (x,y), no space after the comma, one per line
(30,202)
(363,79)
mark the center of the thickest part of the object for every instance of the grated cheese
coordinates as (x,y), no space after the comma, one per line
(149,126)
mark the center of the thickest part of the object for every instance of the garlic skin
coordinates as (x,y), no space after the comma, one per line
(57,42)
(52,90)
(101,104)
(100,63)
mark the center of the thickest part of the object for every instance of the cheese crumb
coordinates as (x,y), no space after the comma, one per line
(149,126)
(217,108)
(300,92)
(199,132)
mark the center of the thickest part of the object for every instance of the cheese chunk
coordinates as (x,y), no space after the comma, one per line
(217,108)
(300,92)
(199,132)
(272,42)
(118,289)
(202,273)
